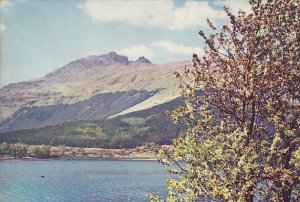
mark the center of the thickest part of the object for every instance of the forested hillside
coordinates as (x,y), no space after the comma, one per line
(126,131)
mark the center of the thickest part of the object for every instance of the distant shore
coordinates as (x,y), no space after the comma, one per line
(25,152)
(83,159)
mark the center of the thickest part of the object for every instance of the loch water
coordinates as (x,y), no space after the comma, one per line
(81,180)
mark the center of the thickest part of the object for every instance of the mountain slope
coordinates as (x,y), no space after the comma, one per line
(97,107)
(70,88)
(127,131)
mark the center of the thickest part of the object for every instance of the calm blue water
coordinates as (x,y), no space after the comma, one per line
(75,180)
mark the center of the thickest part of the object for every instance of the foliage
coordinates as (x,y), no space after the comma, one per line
(242,111)
(10,151)
(122,141)
(18,150)
(142,127)
(38,151)
(4,149)
(92,130)
(151,146)
(62,149)
(134,121)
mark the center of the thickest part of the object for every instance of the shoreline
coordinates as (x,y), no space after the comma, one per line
(79,159)
(25,152)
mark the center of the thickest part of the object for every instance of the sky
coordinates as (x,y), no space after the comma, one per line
(39,36)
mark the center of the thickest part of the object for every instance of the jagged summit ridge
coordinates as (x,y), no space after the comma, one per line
(108,59)
(143,60)
(100,60)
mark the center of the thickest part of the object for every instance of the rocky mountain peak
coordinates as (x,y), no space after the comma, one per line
(99,60)
(93,61)
(114,57)
(106,59)
(143,60)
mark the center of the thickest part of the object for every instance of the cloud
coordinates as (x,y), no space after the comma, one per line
(4,3)
(2,27)
(152,13)
(177,48)
(145,50)
(136,51)
(235,5)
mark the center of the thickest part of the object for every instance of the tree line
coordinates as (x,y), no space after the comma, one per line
(122,132)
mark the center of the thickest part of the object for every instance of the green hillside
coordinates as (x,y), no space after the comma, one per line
(127,131)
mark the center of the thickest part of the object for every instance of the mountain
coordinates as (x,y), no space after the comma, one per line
(91,88)
(150,126)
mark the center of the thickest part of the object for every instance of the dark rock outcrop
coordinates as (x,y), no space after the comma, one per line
(143,60)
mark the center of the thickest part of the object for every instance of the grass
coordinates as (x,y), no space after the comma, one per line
(134,121)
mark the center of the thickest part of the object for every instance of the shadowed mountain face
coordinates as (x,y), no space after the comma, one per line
(90,88)
(97,107)
(127,131)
